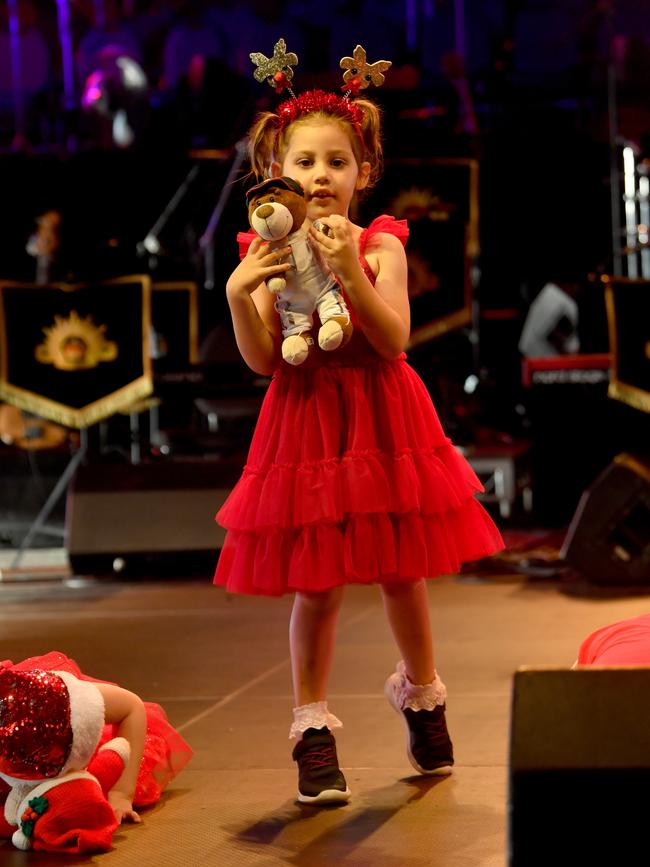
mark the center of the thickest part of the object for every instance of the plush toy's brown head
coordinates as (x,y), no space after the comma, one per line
(276,207)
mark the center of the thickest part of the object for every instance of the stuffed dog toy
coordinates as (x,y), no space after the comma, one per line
(276,212)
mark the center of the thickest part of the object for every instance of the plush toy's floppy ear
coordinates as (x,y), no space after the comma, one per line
(110,761)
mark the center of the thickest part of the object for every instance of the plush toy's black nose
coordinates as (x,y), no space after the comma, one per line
(264,211)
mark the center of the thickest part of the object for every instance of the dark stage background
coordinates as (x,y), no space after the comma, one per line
(540,98)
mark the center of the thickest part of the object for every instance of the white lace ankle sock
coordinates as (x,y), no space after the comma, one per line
(425,696)
(312,716)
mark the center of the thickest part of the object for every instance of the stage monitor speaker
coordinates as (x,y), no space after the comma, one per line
(579,767)
(149,519)
(608,540)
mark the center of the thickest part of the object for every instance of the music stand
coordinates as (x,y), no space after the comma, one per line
(439,198)
(74,354)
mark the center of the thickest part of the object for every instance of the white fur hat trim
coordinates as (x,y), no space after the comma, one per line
(86,720)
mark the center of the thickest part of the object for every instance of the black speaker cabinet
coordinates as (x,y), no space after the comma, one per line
(579,767)
(608,540)
(150,518)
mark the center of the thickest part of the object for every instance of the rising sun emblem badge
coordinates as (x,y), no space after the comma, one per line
(73,343)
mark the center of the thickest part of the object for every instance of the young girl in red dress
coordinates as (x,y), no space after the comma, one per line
(157,751)
(350,477)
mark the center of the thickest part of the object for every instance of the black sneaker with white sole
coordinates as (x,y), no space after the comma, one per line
(320,780)
(428,744)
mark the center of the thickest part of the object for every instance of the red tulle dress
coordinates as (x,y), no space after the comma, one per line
(350,477)
(165,752)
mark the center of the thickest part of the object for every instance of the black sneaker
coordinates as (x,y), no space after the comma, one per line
(319,777)
(428,744)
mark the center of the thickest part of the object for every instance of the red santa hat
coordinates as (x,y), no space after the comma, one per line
(72,814)
(50,723)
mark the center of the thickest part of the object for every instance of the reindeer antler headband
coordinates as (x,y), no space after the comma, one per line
(358,75)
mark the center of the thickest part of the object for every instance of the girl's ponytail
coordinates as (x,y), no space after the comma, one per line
(371,134)
(261,143)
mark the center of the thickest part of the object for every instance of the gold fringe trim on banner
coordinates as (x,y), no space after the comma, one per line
(630,395)
(117,401)
(440,326)
(633,464)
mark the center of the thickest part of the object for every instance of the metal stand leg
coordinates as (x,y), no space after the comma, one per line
(134,419)
(103,437)
(54,497)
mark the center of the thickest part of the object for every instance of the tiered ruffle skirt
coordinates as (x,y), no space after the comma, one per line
(350,479)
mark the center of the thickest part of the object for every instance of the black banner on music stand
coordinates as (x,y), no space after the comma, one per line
(439,198)
(75,353)
(175,325)
(628,315)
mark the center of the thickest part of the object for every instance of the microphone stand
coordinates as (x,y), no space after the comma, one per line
(206,244)
(151,243)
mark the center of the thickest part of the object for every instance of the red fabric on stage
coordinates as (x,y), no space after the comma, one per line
(165,751)
(350,478)
(624,643)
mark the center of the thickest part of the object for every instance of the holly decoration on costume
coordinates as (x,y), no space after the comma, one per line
(35,808)
(360,74)
(277,69)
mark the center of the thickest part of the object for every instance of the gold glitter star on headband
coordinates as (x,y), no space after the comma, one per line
(277,69)
(359,74)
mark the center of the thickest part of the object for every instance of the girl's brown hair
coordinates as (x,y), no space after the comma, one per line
(269,135)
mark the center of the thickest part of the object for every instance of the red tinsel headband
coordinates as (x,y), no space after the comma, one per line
(320,101)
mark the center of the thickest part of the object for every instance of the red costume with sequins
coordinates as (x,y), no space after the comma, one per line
(165,751)
(350,477)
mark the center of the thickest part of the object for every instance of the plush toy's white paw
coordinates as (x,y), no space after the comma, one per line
(330,335)
(276,284)
(295,349)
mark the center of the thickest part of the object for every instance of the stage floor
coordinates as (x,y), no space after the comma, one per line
(219,665)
